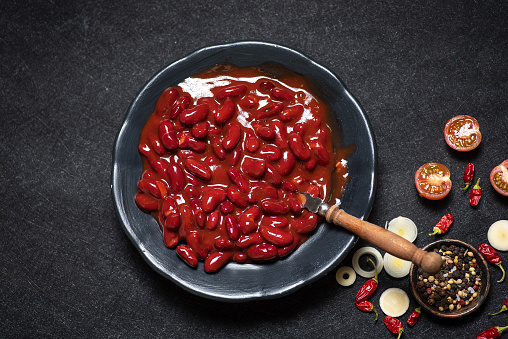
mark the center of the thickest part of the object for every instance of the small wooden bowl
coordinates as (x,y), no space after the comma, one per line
(483,290)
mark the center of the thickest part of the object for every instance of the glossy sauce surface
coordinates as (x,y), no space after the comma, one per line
(224,154)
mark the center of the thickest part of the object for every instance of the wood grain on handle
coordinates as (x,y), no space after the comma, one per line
(390,242)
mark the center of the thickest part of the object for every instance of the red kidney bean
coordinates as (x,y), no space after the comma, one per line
(216,260)
(227,207)
(231,92)
(191,192)
(233,135)
(147,151)
(289,186)
(225,112)
(186,218)
(168,99)
(191,179)
(212,220)
(232,227)
(191,116)
(160,166)
(176,177)
(255,168)
(214,131)
(305,223)
(217,148)
(200,130)
(282,252)
(299,149)
(262,252)
(170,238)
(294,203)
(273,206)
(311,164)
(148,174)
(198,169)
(281,135)
(185,253)
(194,242)
(182,103)
(234,157)
(236,197)
(248,219)
(272,176)
(286,163)
(313,190)
(266,133)
(154,187)
(186,141)
(270,152)
(212,199)
(321,152)
(274,221)
(276,236)
(266,86)
(147,202)
(167,135)
(270,110)
(322,134)
(199,215)
(223,244)
(239,179)
(248,102)
(247,240)
(171,213)
(261,190)
(300,128)
(240,257)
(282,94)
(156,144)
(251,144)
(291,113)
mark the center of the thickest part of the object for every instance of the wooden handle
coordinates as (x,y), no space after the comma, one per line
(430,262)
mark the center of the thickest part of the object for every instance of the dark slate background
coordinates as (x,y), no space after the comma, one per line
(68,72)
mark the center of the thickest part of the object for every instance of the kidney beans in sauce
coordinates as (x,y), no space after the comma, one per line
(252,153)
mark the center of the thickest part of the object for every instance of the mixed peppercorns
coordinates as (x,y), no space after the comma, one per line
(458,283)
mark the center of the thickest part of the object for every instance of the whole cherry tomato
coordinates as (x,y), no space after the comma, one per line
(499,178)
(462,133)
(432,181)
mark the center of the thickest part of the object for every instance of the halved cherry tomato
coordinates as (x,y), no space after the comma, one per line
(462,133)
(432,181)
(499,178)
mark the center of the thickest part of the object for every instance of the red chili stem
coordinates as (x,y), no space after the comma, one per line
(503,309)
(367,306)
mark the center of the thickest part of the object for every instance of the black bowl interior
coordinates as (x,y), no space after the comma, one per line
(240,282)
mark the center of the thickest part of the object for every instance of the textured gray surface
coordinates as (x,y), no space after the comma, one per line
(68,72)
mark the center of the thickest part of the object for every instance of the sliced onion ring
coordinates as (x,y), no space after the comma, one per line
(498,235)
(396,267)
(367,250)
(341,272)
(404,227)
(394,302)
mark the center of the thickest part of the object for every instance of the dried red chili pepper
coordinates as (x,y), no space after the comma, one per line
(491,256)
(413,317)
(394,325)
(443,225)
(367,306)
(491,333)
(504,308)
(468,176)
(476,194)
(368,287)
